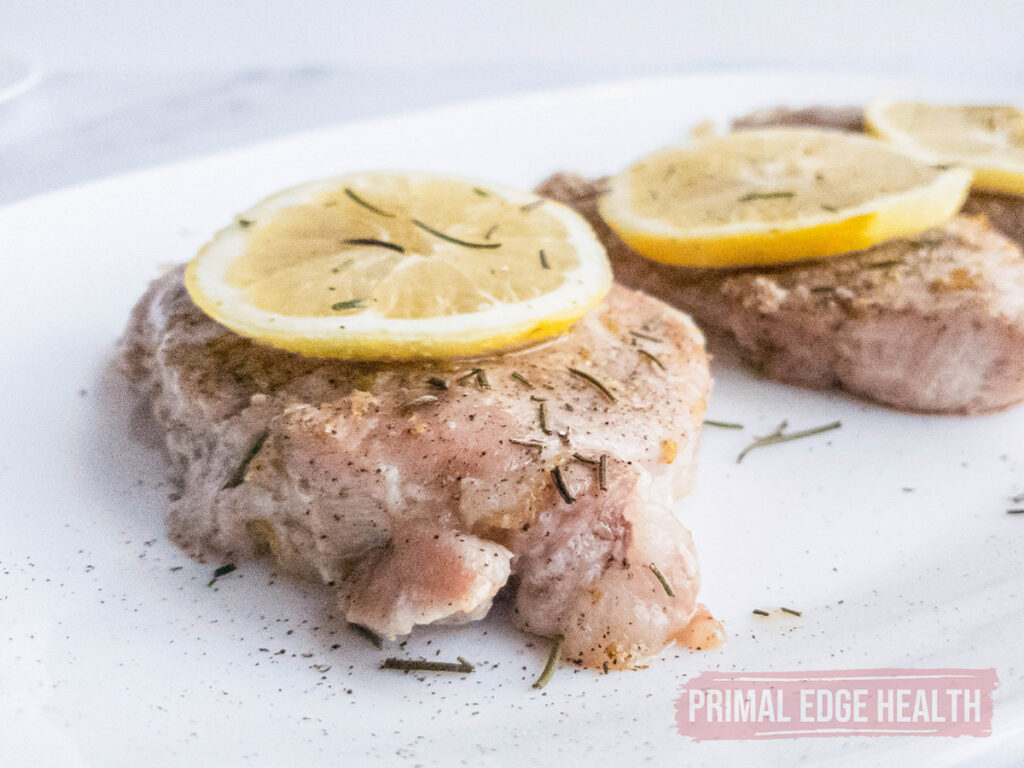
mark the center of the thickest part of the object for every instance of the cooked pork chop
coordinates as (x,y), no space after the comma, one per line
(417,489)
(933,323)
(1004,212)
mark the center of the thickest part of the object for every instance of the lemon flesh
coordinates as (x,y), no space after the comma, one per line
(987,139)
(390,265)
(776,195)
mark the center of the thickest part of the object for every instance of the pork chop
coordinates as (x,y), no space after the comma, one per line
(416,490)
(933,323)
(1004,212)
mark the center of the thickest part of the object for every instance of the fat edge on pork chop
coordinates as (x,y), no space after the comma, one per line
(417,490)
(933,323)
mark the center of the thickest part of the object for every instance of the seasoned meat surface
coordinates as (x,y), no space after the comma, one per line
(835,118)
(417,489)
(933,323)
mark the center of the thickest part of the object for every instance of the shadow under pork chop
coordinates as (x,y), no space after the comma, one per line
(933,323)
(417,489)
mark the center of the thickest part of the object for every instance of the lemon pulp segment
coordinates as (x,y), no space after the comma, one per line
(776,195)
(397,265)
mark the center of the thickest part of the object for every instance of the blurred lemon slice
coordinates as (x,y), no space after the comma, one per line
(390,265)
(989,140)
(776,195)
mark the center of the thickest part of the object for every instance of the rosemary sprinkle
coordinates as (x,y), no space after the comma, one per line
(480,375)
(450,239)
(588,378)
(664,582)
(766,195)
(542,417)
(544,260)
(238,477)
(368,206)
(224,570)
(652,358)
(369,634)
(532,206)
(779,436)
(560,486)
(422,665)
(438,383)
(884,264)
(649,337)
(527,443)
(552,663)
(602,472)
(521,379)
(791,611)
(723,424)
(1015,511)
(350,304)
(374,241)
(759,612)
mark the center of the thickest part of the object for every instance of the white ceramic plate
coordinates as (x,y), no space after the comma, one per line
(110,658)
(16,76)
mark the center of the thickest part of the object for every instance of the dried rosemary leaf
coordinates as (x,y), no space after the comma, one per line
(451,239)
(375,242)
(422,665)
(350,304)
(368,206)
(766,195)
(238,476)
(552,662)
(373,637)
(779,436)
(664,582)
(652,358)
(591,380)
(224,570)
(560,486)
(521,379)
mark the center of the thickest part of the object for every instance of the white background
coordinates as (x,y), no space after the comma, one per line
(202,35)
(126,84)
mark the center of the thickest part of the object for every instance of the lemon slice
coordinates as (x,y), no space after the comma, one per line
(389,265)
(990,140)
(776,195)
